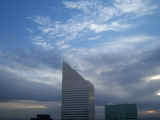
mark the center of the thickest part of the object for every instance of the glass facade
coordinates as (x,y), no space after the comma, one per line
(121,112)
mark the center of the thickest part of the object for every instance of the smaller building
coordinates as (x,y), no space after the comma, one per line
(42,117)
(121,112)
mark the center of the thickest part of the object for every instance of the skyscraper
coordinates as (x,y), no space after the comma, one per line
(121,112)
(77,96)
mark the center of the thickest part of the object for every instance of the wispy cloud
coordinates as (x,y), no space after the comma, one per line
(22,104)
(94,37)
(93,17)
(103,37)
(42,74)
(152,78)
(80,5)
(137,7)
(98,27)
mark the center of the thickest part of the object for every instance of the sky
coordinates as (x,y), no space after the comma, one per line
(112,43)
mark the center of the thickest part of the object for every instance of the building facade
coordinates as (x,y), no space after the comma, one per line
(121,112)
(77,96)
(42,117)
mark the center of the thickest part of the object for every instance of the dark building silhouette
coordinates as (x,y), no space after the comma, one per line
(42,117)
(121,112)
(77,96)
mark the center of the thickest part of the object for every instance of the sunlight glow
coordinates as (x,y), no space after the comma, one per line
(158,93)
(156,77)
(153,78)
(22,105)
(151,112)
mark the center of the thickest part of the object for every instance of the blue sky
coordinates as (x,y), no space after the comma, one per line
(112,43)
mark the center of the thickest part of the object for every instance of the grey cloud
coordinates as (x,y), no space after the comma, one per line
(123,84)
(13,87)
(18,87)
(25,109)
(128,66)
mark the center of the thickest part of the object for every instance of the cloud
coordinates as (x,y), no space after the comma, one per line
(118,62)
(80,5)
(62,45)
(158,92)
(92,17)
(42,74)
(98,28)
(100,112)
(41,20)
(119,67)
(137,7)
(32,65)
(111,61)
(25,109)
(94,38)
(116,68)
(30,74)
(152,78)
(149,113)
(22,104)
(114,26)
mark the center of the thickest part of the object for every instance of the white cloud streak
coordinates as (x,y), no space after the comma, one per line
(137,7)
(94,38)
(80,5)
(152,78)
(43,74)
(22,104)
(94,16)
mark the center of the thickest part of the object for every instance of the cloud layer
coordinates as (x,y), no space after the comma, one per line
(94,17)
(105,41)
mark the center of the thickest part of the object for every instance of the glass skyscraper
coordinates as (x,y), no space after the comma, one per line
(121,112)
(77,96)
